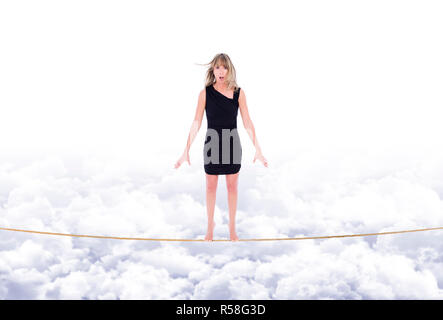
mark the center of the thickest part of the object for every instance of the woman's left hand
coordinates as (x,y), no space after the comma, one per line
(259,156)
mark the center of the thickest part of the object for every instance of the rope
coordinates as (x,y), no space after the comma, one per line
(268,239)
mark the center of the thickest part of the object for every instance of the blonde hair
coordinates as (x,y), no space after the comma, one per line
(221,59)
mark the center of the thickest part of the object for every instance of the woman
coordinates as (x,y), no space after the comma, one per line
(221,98)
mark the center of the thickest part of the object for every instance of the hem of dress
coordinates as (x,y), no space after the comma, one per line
(221,172)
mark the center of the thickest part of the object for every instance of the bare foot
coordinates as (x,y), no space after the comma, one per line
(209,233)
(233,236)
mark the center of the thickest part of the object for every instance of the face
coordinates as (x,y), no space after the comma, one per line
(220,73)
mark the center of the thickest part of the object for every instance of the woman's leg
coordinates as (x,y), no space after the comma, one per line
(211,192)
(231,184)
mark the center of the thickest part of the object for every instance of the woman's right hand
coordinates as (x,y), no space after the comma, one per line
(259,156)
(183,158)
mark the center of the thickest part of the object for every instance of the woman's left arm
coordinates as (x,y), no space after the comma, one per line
(249,126)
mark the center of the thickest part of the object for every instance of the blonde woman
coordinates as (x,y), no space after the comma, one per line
(221,98)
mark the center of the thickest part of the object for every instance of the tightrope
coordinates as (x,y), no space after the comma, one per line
(268,239)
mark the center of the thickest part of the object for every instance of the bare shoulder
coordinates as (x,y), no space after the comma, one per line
(202,94)
(201,104)
(242,95)
(202,98)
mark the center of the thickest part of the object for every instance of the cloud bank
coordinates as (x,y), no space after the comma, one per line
(311,195)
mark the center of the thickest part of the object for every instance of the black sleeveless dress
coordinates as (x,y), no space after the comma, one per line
(222,151)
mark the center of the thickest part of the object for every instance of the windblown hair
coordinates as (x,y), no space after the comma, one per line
(222,59)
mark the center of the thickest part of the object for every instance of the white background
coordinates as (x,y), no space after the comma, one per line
(97,99)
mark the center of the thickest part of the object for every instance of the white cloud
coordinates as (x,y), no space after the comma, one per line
(108,201)
(88,147)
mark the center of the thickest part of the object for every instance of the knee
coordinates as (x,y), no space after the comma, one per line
(211,187)
(231,186)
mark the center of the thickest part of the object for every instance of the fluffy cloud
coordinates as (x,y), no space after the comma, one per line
(301,197)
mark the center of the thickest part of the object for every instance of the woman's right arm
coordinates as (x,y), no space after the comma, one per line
(197,119)
(195,127)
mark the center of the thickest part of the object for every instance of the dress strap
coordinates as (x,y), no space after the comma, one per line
(237,94)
